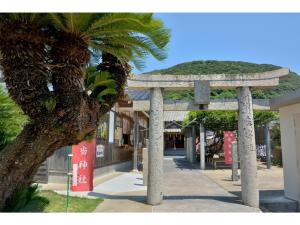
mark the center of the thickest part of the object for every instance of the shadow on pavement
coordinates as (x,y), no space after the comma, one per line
(263,194)
(233,199)
(142,199)
(183,164)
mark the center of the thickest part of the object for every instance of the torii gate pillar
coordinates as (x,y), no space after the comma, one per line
(155,153)
(246,140)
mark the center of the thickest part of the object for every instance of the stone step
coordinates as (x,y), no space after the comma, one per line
(279,204)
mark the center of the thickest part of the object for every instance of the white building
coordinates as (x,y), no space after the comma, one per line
(289,111)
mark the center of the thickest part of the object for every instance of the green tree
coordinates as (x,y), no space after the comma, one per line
(43,50)
(219,121)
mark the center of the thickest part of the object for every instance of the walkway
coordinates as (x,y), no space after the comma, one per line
(186,189)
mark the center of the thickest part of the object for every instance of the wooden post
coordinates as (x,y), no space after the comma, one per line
(188,144)
(268,145)
(202,147)
(145,166)
(193,145)
(136,139)
(235,162)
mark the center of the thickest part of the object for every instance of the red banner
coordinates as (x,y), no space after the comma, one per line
(82,166)
(229,137)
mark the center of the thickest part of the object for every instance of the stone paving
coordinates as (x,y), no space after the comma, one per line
(186,189)
(270,184)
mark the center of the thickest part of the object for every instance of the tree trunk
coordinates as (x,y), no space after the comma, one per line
(22,46)
(20,160)
(71,52)
(75,114)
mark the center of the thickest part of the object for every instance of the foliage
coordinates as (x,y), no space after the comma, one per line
(226,120)
(49,201)
(50,103)
(213,66)
(277,156)
(100,84)
(21,198)
(127,36)
(276,145)
(219,121)
(11,119)
(286,85)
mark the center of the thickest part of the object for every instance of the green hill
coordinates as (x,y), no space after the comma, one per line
(288,84)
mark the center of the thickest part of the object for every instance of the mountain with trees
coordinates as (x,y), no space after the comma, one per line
(286,85)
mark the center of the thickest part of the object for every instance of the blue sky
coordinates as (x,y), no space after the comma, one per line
(258,38)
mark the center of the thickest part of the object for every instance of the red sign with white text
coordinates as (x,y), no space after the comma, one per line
(229,137)
(82,166)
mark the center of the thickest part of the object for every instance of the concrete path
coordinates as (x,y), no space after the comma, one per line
(187,189)
(125,193)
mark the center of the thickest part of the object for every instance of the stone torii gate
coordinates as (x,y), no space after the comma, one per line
(202,85)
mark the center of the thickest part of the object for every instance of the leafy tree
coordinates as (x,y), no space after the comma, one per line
(43,50)
(219,121)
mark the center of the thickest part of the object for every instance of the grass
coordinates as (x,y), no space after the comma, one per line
(49,201)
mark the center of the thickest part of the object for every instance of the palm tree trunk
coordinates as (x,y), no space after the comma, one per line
(119,73)
(22,47)
(71,53)
(20,160)
(75,115)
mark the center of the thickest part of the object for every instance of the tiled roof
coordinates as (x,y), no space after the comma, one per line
(175,115)
(138,95)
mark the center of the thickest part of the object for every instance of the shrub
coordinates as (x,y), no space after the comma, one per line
(11,119)
(21,197)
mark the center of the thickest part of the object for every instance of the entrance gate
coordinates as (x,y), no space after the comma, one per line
(202,84)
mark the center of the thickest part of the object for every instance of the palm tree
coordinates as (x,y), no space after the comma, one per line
(43,50)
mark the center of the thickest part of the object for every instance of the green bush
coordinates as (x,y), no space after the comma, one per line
(22,196)
(277,156)
(276,145)
(11,119)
